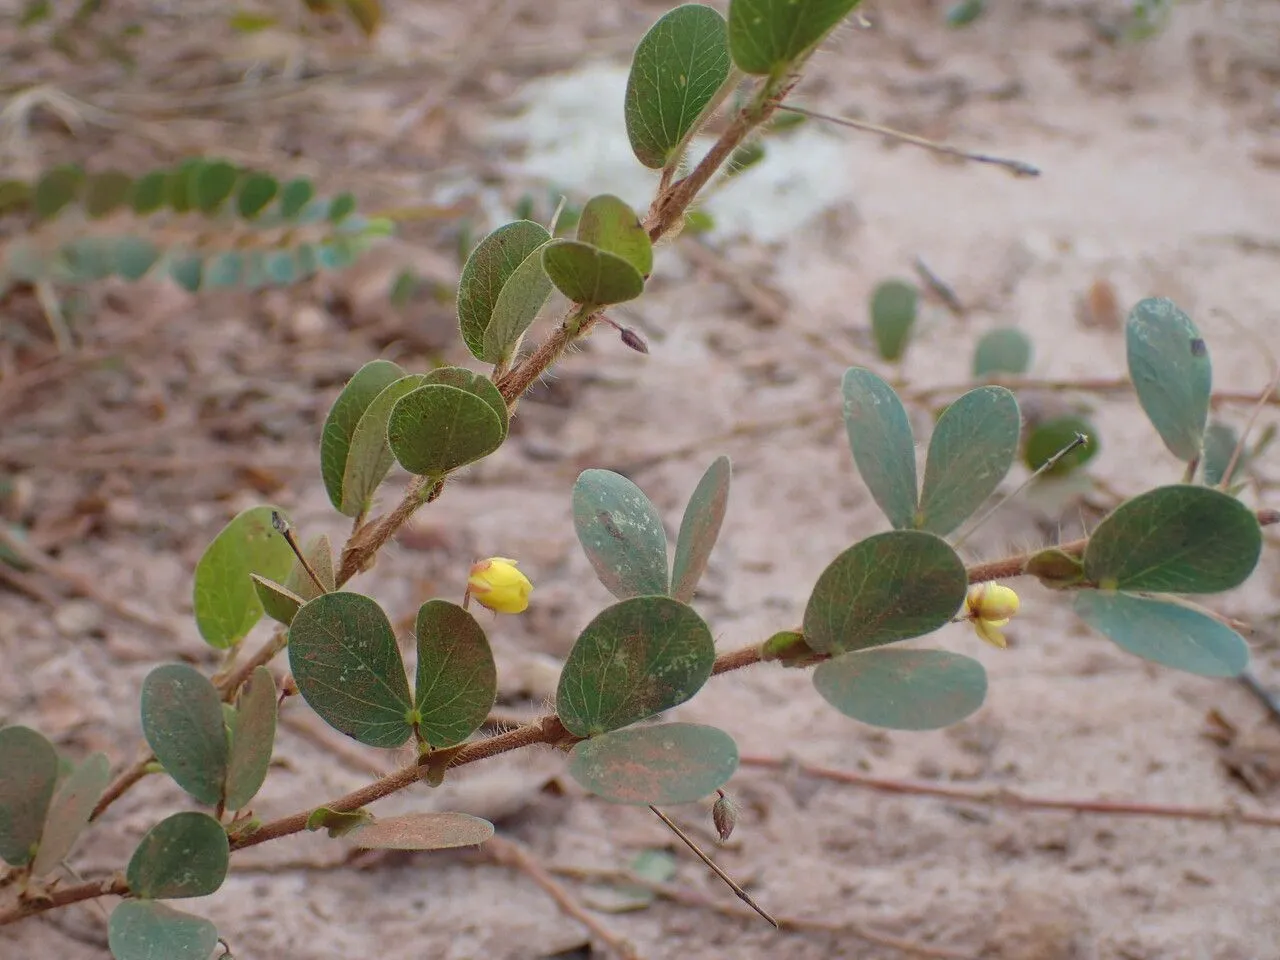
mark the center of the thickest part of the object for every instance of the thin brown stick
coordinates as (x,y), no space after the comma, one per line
(114,886)
(371,538)
(1116,385)
(712,865)
(1019,168)
(519,379)
(693,898)
(512,854)
(1008,798)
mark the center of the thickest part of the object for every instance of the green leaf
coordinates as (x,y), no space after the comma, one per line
(294,196)
(343,205)
(678,68)
(55,190)
(15,196)
(133,257)
(281,267)
(145,930)
(590,276)
(890,587)
(253,736)
(224,271)
(1220,442)
(347,666)
(69,813)
(1055,569)
(965,12)
(186,272)
(971,450)
(903,689)
(344,416)
(883,447)
(765,36)
(149,192)
(521,299)
(1166,633)
(178,185)
(659,765)
(475,384)
(226,602)
(278,602)
(367,14)
(184,855)
(1005,350)
(212,185)
(457,681)
(1175,539)
(634,660)
(1047,438)
(88,258)
(105,192)
(621,534)
(437,428)
(893,316)
(484,276)
(28,774)
(257,190)
(610,225)
(339,824)
(182,721)
(423,831)
(319,554)
(699,529)
(1170,368)
(369,457)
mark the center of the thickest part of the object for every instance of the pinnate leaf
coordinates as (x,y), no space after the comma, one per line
(226,602)
(590,276)
(437,428)
(765,36)
(607,222)
(1170,368)
(488,268)
(184,855)
(457,681)
(1166,633)
(621,534)
(183,723)
(903,689)
(882,444)
(344,416)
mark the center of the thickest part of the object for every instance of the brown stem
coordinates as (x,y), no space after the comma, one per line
(372,537)
(515,382)
(1010,798)
(1116,385)
(21,909)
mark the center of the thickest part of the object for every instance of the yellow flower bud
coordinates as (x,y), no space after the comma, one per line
(990,607)
(498,585)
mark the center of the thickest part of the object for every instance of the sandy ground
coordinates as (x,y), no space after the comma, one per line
(1161,177)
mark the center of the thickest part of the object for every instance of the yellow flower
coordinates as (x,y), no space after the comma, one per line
(498,585)
(990,607)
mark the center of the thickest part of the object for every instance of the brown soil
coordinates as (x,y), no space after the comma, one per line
(1161,177)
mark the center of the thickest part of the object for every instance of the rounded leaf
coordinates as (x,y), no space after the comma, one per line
(69,813)
(185,855)
(882,444)
(970,452)
(457,681)
(678,68)
(144,930)
(212,185)
(890,587)
(1166,633)
(474,383)
(294,196)
(1055,569)
(1048,438)
(28,774)
(436,428)
(132,257)
(621,534)
(1175,539)
(369,457)
(347,666)
(590,276)
(319,555)
(344,416)
(56,189)
(253,735)
(1220,442)
(518,304)
(487,270)
(607,222)
(422,831)
(149,192)
(226,602)
(635,659)
(182,721)
(105,192)
(893,316)
(187,272)
(699,529)
(1006,350)
(1170,369)
(659,765)
(903,689)
(278,602)
(257,190)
